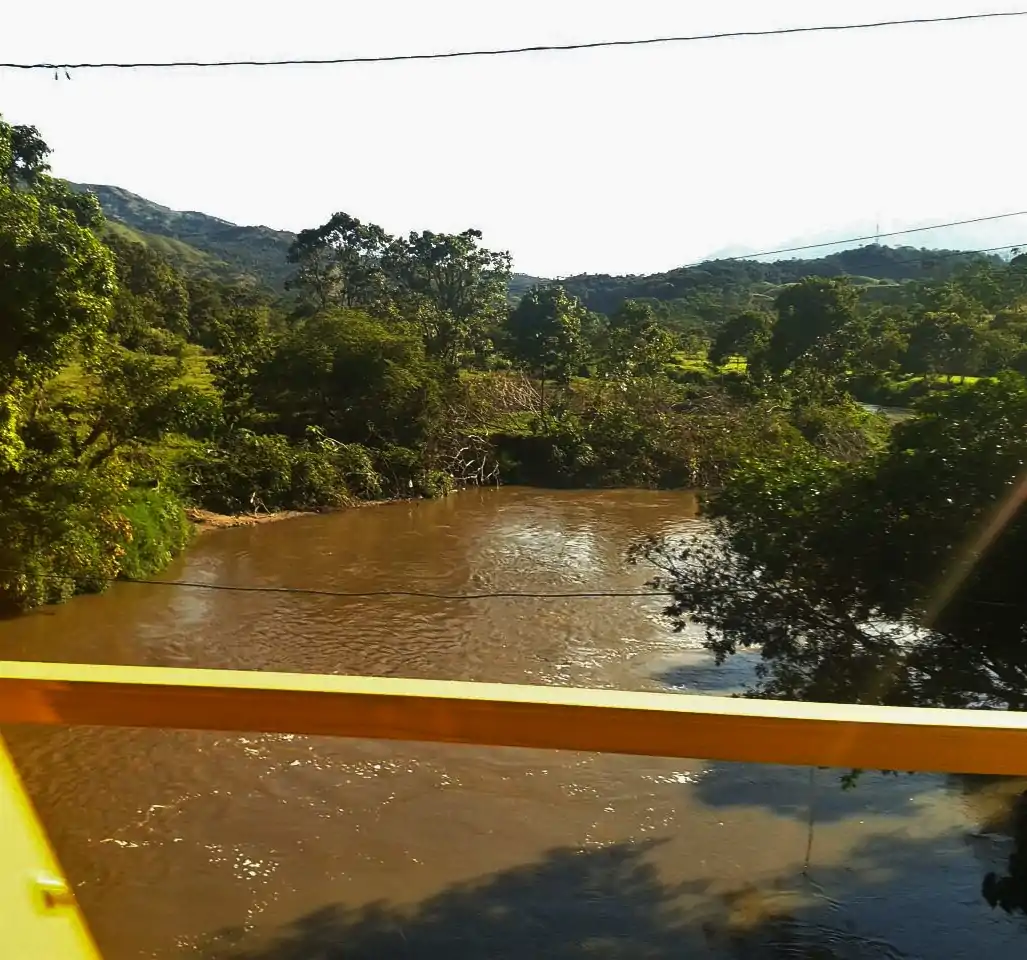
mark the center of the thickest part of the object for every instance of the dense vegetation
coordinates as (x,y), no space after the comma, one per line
(139,379)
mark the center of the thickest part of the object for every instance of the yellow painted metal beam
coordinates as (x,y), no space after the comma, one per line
(560,718)
(39,919)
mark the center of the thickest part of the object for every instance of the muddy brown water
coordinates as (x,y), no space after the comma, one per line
(295,848)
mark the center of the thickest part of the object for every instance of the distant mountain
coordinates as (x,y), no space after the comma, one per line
(188,260)
(200,242)
(869,265)
(521,283)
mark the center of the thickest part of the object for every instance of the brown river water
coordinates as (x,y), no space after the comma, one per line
(294,848)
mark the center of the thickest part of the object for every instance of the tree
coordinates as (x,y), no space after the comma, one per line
(357,378)
(811,318)
(340,263)
(880,344)
(946,343)
(453,288)
(746,334)
(58,279)
(151,294)
(23,154)
(225,319)
(895,580)
(544,335)
(635,344)
(72,516)
(134,399)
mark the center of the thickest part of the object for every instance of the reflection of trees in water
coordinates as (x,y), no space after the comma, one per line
(612,903)
(1010,890)
(999,805)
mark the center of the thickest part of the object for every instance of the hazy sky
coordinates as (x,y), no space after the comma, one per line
(617,160)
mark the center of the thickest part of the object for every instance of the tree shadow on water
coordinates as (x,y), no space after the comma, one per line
(702,675)
(787,791)
(596,903)
(612,904)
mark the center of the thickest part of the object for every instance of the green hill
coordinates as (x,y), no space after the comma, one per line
(197,242)
(867,266)
(184,258)
(696,295)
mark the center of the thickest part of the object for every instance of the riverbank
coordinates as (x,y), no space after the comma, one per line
(208,520)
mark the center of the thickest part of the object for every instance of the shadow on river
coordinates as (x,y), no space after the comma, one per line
(270,847)
(612,903)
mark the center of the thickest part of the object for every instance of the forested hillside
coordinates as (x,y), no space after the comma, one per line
(231,250)
(691,298)
(702,297)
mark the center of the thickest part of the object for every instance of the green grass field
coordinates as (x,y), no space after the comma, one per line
(698,362)
(73,380)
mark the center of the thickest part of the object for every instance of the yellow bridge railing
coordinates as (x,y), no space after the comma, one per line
(38,916)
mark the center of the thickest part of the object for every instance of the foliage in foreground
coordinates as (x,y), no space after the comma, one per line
(895,580)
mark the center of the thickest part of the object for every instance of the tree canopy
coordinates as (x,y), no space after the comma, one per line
(58,277)
(890,581)
(544,334)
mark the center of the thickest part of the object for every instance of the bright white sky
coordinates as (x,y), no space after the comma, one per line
(618,160)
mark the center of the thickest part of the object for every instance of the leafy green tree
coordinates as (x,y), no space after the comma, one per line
(993,286)
(881,343)
(135,399)
(946,343)
(58,279)
(636,344)
(340,263)
(451,286)
(544,335)
(225,319)
(357,378)
(151,294)
(997,350)
(62,531)
(70,519)
(746,334)
(896,580)
(23,154)
(813,317)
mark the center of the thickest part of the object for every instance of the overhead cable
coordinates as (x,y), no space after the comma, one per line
(875,236)
(377,594)
(407,594)
(508,51)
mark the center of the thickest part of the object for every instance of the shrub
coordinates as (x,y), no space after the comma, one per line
(157,340)
(73,531)
(157,530)
(251,471)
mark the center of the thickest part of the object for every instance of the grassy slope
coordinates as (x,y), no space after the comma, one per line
(183,257)
(199,241)
(73,380)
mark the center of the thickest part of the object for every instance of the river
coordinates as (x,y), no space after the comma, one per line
(205,845)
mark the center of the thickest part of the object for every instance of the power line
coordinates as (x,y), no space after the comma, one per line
(875,236)
(946,254)
(935,255)
(931,256)
(407,594)
(506,51)
(374,594)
